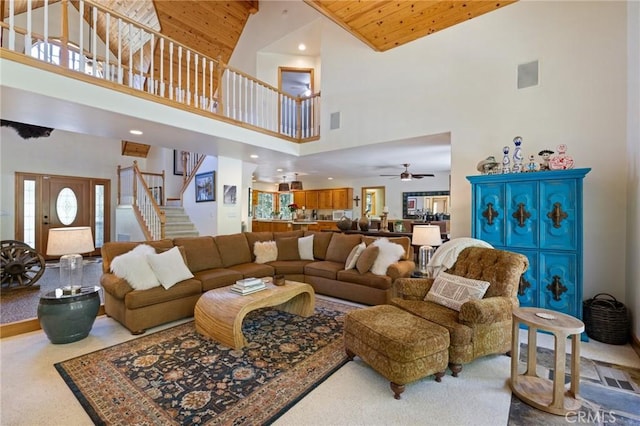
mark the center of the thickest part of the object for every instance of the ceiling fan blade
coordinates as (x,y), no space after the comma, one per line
(421,175)
(390,175)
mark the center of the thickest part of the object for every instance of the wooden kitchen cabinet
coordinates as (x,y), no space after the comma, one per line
(342,198)
(300,198)
(311,200)
(325,199)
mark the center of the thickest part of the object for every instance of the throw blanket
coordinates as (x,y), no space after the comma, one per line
(447,253)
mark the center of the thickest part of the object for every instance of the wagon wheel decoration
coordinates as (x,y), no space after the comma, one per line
(22,266)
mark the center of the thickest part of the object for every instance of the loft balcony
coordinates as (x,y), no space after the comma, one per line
(117,53)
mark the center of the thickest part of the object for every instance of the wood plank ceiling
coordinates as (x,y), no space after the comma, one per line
(384,25)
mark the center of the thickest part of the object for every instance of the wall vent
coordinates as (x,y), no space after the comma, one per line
(335,121)
(528,74)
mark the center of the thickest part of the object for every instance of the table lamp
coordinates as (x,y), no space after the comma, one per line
(425,236)
(68,243)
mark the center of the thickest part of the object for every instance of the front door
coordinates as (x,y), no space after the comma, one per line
(44,202)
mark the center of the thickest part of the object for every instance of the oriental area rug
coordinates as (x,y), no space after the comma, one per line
(177,376)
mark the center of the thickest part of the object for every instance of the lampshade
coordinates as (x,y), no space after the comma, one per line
(284,186)
(296,185)
(426,235)
(69,241)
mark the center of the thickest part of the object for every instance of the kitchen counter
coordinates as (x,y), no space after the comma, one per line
(279,225)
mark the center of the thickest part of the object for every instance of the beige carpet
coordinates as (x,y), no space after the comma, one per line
(33,393)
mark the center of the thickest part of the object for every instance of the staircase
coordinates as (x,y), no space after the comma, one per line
(177,223)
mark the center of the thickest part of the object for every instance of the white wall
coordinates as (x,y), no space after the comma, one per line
(230,216)
(463,80)
(204,215)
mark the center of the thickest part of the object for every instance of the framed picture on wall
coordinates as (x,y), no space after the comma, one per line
(205,187)
(178,169)
(229,194)
(411,205)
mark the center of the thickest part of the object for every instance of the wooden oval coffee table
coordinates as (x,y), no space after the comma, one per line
(219,313)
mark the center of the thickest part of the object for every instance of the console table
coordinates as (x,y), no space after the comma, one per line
(539,392)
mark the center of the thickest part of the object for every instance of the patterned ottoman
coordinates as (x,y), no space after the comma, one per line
(400,346)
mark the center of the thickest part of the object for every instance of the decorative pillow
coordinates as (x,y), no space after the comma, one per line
(340,247)
(354,255)
(133,267)
(366,259)
(169,267)
(389,254)
(305,247)
(288,248)
(452,291)
(265,251)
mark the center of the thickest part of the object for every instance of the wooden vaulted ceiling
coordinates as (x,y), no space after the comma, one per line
(384,25)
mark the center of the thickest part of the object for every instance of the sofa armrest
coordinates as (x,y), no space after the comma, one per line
(115,286)
(401,269)
(413,288)
(486,311)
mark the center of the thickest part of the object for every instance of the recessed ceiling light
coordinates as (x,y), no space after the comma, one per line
(302,47)
(330,178)
(135,132)
(253,156)
(279,170)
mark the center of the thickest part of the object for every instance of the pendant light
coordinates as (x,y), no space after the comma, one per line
(296,185)
(284,186)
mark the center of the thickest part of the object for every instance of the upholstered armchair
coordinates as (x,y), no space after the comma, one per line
(482,326)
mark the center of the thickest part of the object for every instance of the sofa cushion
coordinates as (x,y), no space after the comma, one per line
(453,291)
(257,270)
(289,267)
(288,248)
(305,247)
(321,242)
(141,298)
(265,251)
(350,263)
(368,279)
(201,252)
(367,258)
(340,247)
(133,267)
(253,237)
(169,267)
(216,278)
(325,269)
(234,249)
(389,254)
(112,249)
(405,242)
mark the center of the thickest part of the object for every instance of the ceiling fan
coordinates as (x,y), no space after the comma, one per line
(406,175)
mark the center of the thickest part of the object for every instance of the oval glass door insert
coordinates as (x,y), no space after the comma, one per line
(67,206)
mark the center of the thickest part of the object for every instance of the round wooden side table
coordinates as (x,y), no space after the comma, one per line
(67,318)
(542,393)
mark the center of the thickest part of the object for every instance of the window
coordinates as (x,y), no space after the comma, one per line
(265,205)
(29,213)
(50,52)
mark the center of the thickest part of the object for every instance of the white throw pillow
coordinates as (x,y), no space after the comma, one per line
(133,267)
(305,247)
(453,291)
(265,251)
(169,267)
(389,254)
(354,256)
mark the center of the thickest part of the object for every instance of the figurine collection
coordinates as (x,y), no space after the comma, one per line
(516,162)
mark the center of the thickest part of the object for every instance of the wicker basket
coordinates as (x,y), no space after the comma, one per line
(606,320)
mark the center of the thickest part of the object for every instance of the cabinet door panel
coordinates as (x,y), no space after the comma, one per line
(522,215)
(558,275)
(558,214)
(528,290)
(490,213)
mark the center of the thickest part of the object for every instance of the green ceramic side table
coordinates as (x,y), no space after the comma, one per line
(67,318)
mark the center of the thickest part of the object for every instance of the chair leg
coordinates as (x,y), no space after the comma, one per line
(455,369)
(439,376)
(397,389)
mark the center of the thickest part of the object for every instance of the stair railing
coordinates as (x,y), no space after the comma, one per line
(143,62)
(134,190)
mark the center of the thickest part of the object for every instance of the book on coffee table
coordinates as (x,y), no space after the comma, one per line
(248,290)
(249,283)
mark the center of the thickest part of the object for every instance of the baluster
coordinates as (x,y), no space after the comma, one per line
(27,37)
(94,45)
(188,71)
(152,86)
(161,58)
(12,30)
(141,65)
(180,99)
(211,69)
(130,57)
(120,74)
(195,78)
(106,71)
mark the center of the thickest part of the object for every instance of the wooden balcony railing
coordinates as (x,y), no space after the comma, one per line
(108,46)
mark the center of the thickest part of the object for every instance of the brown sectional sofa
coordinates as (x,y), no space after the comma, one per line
(218,261)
